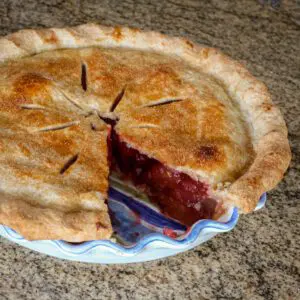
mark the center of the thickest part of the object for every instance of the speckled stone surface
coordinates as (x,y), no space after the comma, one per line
(259,259)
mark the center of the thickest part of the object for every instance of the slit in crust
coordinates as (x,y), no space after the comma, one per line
(33,107)
(84,83)
(117,100)
(68,164)
(145,126)
(70,100)
(57,127)
(163,102)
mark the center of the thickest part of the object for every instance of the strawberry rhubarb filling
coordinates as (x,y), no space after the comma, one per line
(178,195)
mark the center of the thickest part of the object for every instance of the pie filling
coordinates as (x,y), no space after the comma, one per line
(177,194)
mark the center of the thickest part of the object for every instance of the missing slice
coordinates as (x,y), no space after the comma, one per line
(178,195)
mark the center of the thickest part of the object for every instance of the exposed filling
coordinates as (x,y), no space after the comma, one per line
(178,195)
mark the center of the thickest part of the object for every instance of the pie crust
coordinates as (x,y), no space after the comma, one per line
(189,107)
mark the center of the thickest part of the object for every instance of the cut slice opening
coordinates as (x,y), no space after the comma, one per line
(178,195)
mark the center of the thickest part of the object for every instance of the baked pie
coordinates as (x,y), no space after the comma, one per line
(184,123)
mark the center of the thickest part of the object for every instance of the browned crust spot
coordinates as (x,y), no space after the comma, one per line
(117,33)
(48,36)
(189,43)
(208,153)
(30,84)
(267,106)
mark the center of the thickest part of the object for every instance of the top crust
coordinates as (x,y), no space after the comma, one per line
(254,152)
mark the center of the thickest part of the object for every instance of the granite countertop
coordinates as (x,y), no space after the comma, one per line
(259,259)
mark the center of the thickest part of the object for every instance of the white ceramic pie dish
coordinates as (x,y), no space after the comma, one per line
(142,234)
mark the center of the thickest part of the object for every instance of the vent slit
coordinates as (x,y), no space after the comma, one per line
(84,83)
(117,100)
(145,126)
(57,127)
(33,107)
(68,164)
(71,100)
(163,102)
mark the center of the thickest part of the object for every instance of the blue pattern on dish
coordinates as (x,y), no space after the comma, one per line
(133,219)
(144,211)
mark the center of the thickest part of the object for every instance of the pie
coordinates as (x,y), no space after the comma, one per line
(187,125)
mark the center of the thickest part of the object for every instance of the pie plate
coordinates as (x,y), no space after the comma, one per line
(142,233)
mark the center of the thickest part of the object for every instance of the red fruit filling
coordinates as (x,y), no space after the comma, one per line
(177,194)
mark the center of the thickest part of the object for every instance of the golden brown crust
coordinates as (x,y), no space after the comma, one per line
(52,161)
(233,131)
(35,223)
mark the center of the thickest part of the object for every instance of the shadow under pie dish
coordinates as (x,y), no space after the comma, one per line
(185,124)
